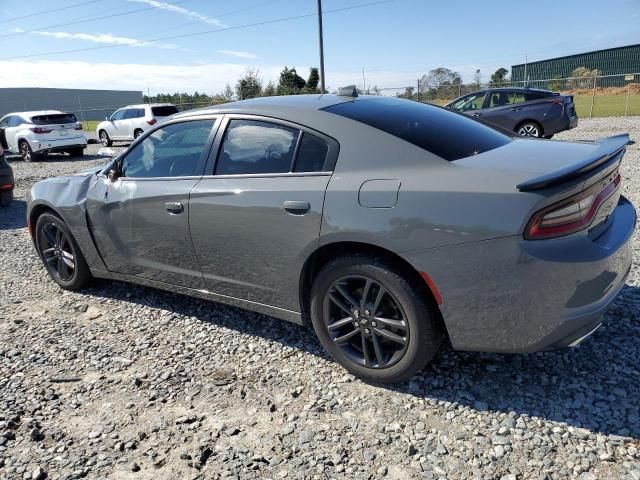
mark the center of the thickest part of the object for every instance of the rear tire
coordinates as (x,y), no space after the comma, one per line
(529,129)
(6,197)
(76,152)
(104,139)
(60,253)
(390,338)
(25,151)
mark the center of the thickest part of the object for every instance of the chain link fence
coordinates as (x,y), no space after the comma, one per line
(594,96)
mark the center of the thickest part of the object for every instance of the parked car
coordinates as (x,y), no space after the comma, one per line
(130,122)
(388,225)
(33,135)
(528,112)
(7,182)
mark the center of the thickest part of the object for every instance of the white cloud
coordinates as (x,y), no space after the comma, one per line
(106,38)
(182,11)
(239,54)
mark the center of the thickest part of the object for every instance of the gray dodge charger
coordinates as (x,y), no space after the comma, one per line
(389,226)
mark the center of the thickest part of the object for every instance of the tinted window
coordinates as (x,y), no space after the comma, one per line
(54,118)
(500,99)
(312,154)
(131,113)
(119,115)
(140,113)
(446,134)
(15,121)
(164,111)
(171,151)
(251,146)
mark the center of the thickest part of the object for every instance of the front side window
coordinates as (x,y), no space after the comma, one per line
(5,122)
(15,121)
(470,102)
(447,134)
(252,146)
(172,151)
(119,115)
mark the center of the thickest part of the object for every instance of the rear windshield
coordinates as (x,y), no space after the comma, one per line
(164,111)
(54,118)
(446,134)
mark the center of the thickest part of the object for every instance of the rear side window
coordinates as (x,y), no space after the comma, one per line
(131,113)
(164,111)
(54,118)
(446,134)
(312,154)
(253,146)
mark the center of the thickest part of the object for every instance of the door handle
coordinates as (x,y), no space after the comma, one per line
(174,208)
(514,109)
(476,114)
(297,207)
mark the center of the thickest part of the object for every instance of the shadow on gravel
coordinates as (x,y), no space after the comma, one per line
(14,216)
(594,386)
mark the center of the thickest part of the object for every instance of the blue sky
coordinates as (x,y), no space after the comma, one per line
(395,42)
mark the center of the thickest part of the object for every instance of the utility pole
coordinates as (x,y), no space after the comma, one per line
(364,83)
(322,86)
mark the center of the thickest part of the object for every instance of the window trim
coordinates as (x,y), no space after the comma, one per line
(330,162)
(112,115)
(202,161)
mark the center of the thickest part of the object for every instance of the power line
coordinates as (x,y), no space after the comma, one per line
(85,20)
(206,32)
(80,4)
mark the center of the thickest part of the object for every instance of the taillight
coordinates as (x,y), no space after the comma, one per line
(41,130)
(6,186)
(572,214)
(78,126)
(153,121)
(558,101)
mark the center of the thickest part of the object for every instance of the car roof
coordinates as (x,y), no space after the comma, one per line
(274,105)
(516,89)
(142,105)
(34,113)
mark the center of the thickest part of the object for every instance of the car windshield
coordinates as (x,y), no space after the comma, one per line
(446,134)
(164,111)
(54,118)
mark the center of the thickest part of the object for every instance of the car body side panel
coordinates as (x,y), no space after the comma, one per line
(66,196)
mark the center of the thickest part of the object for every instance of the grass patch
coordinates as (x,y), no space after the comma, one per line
(606,105)
(90,125)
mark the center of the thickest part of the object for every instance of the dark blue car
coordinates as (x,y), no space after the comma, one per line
(528,112)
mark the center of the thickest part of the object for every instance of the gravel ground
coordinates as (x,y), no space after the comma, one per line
(128,382)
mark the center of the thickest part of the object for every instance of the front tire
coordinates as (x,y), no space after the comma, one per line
(6,197)
(104,139)
(60,253)
(372,320)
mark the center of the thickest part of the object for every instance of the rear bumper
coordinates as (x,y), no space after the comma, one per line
(511,295)
(58,144)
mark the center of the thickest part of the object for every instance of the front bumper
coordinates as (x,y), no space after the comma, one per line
(58,144)
(512,295)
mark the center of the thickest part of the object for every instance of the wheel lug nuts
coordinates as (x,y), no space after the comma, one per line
(373,324)
(367,312)
(356,313)
(366,330)
(356,324)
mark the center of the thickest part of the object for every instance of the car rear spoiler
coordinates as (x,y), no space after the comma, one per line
(610,150)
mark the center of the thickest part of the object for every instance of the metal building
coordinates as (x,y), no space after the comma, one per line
(611,61)
(86,104)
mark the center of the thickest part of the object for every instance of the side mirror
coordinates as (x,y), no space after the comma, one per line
(113,175)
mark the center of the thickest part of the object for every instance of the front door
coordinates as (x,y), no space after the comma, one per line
(117,124)
(141,220)
(257,217)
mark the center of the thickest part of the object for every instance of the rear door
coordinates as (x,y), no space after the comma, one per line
(140,222)
(56,125)
(127,124)
(256,215)
(4,124)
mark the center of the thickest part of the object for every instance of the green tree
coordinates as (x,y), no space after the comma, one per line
(557,84)
(582,77)
(440,83)
(249,85)
(313,80)
(269,90)
(290,82)
(499,77)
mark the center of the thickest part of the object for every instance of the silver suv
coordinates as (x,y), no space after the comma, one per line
(130,122)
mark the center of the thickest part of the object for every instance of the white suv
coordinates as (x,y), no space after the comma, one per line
(35,134)
(129,122)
